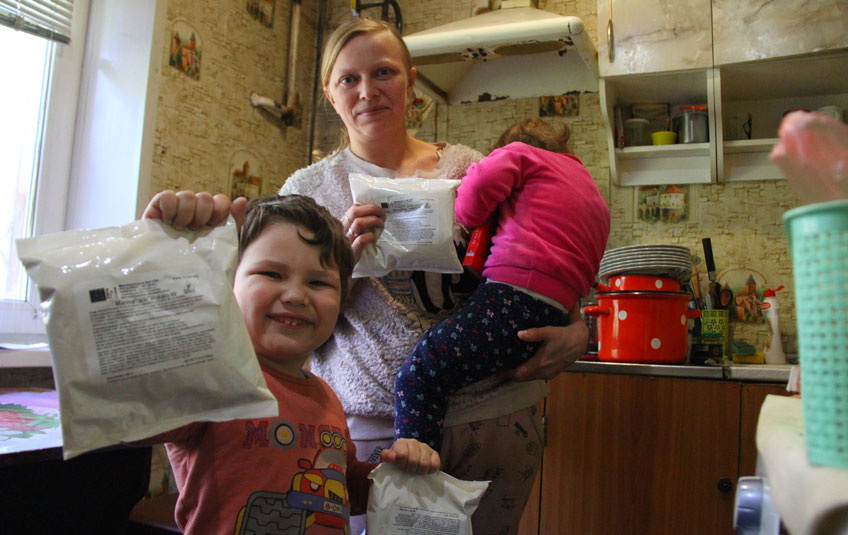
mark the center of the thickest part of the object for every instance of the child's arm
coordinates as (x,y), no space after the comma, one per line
(486,184)
(412,456)
(407,454)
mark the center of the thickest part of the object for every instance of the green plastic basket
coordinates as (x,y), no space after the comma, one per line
(818,243)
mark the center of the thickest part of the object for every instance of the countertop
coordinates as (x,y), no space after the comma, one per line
(765,373)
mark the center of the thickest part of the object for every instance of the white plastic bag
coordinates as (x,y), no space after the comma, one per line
(400,503)
(144,330)
(419,225)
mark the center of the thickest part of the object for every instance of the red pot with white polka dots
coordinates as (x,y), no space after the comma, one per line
(643,327)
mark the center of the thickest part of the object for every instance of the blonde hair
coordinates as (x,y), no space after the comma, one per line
(347,31)
(537,133)
(341,36)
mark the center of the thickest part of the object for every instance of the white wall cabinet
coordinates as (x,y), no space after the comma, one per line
(765,91)
(653,36)
(692,163)
(747,30)
(757,71)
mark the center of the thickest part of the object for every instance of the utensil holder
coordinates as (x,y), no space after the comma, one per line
(715,328)
(818,243)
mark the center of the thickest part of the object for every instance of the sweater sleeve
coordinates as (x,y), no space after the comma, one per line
(486,184)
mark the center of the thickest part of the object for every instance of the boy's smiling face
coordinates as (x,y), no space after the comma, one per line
(290,302)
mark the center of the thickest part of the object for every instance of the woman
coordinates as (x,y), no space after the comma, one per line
(367,75)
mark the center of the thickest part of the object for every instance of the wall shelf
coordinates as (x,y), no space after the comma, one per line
(749,145)
(663,151)
(764,90)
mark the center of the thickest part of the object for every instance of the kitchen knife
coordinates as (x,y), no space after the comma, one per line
(715,288)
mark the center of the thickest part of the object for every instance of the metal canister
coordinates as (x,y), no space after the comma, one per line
(693,127)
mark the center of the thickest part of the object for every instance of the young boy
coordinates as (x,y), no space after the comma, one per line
(296,473)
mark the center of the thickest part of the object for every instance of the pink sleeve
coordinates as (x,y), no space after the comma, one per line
(487,183)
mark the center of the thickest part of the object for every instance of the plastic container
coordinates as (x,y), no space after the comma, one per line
(664,138)
(715,329)
(636,132)
(818,243)
(774,348)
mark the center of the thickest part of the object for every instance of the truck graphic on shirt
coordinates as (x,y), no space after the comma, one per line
(317,496)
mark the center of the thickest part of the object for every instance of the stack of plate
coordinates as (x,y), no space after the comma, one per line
(672,261)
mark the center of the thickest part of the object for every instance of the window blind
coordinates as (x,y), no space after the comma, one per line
(50,19)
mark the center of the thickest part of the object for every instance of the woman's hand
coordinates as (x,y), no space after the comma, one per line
(561,347)
(183,209)
(359,223)
(412,456)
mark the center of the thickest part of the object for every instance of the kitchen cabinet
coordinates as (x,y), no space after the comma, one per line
(635,454)
(765,90)
(681,163)
(762,90)
(654,36)
(746,30)
(761,60)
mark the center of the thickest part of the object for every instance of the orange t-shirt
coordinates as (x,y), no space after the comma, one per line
(298,471)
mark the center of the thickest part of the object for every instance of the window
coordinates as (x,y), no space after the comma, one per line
(36,139)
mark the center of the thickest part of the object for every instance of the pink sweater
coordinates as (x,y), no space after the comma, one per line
(553,222)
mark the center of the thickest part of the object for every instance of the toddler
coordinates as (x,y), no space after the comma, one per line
(552,230)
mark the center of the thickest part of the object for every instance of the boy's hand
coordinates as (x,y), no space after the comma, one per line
(194,210)
(412,456)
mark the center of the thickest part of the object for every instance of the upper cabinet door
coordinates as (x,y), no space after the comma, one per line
(654,36)
(747,30)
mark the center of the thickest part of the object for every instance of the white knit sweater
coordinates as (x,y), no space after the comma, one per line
(383,317)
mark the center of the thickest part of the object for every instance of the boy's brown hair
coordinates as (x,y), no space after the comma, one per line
(537,133)
(301,211)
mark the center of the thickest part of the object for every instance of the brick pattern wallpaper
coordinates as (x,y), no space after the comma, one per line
(200,125)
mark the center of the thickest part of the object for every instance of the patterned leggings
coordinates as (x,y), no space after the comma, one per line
(477,341)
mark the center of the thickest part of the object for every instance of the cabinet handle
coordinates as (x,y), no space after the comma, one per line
(725,484)
(610,36)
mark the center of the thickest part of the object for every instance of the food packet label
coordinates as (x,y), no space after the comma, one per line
(410,219)
(147,322)
(415,521)
(419,227)
(145,333)
(400,503)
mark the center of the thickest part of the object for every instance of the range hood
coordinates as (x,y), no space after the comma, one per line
(511,52)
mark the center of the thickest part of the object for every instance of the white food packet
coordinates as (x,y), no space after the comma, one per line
(400,503)
(144,329)
(419,225)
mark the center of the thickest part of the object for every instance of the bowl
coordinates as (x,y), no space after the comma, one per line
(664,138)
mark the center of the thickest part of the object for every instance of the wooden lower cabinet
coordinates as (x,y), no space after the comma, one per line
(643,455)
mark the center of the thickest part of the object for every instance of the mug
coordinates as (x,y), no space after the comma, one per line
(739,126)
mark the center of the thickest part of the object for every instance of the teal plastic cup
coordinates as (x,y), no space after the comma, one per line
(818,243)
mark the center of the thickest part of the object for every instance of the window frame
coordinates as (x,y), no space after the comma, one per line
(21,321)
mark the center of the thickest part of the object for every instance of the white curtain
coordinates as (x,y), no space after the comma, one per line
(50,19)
